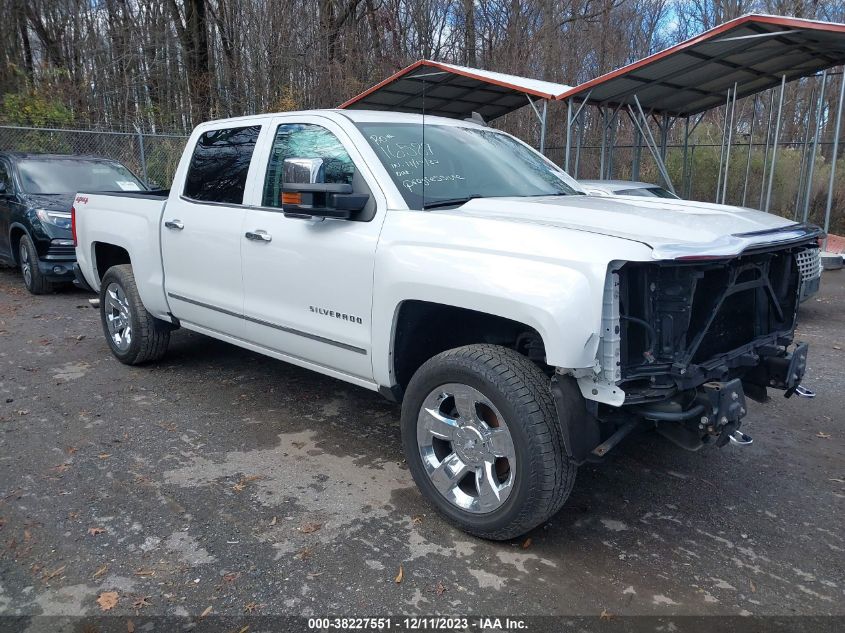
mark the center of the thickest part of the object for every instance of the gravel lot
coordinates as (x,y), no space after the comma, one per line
(222,479)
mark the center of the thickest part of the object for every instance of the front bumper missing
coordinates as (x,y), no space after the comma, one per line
(712,415)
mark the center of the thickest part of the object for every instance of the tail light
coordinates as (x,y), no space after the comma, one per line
(73,225)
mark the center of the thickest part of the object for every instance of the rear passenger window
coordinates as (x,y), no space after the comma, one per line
(220,163)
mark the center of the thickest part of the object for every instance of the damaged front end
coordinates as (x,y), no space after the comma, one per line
(687,340)
(698,335)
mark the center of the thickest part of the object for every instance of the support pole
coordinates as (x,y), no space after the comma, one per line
(568,134)
(812,166)
(603,142)
(611,144)
(722,146)
(572,119)
(579,140)
(687,185)
(638,152)
(684,164)
(142,154)
(766,151)
(689,175)
(543,127)
(806,144)
(750,148)
(650,143)
(614,124)
(775,145)
(833,159)
(728,146)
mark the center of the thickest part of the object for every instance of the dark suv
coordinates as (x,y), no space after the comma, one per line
(36,195)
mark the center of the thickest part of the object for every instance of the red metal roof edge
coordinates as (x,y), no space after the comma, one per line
(751,17)
(440,66)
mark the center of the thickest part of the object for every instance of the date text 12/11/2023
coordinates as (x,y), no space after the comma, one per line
(420,623)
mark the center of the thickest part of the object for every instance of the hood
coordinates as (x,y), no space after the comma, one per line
(672,228)
(53,202)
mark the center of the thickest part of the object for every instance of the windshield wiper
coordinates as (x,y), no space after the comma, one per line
(450,202)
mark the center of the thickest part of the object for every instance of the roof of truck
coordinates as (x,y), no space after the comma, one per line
(357,116)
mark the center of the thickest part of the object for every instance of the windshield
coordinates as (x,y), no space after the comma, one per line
(648,192)
(455,163)
(66,175)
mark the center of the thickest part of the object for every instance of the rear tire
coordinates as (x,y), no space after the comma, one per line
(28,260)
(133,334)
(493,485)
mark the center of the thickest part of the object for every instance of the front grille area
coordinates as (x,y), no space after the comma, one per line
(809,263)
(683,323)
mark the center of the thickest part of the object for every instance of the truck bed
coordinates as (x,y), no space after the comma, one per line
(123,220)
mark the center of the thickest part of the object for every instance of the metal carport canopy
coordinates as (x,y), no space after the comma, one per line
(753,51)
(454,91)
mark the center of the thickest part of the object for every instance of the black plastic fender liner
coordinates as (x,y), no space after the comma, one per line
(580,430)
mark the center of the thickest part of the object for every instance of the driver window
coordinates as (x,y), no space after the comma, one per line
(305,140)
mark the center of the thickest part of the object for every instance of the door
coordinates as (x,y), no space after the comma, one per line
(7,200)
(308,283)
(201,232)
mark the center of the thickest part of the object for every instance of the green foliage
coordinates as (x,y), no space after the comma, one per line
(31,108)
(162,156)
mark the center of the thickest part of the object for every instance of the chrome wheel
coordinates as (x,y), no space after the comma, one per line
(118,317)
(26,264)
(466,448)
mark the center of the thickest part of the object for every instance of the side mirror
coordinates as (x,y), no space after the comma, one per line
(305,171)
(305,194)
(3,191)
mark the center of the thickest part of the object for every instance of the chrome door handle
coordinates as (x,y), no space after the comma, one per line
(259,236)
(174,224)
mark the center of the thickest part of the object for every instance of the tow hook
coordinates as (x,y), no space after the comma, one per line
(739,438)
(802,392)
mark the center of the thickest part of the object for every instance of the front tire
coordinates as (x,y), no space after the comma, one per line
(133,334)
(483,442)
(32,277)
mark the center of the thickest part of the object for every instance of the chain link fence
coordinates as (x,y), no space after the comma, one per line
(152,157)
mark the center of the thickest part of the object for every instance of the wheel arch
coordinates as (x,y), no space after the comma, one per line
(422,329)
(16,232)
(104,255)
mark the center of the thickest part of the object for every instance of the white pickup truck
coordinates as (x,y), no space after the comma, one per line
(524,326)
